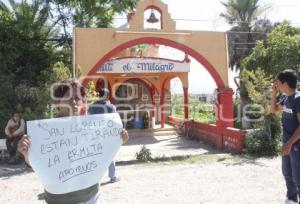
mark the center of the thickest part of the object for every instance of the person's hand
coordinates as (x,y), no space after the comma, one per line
(275,88)
(12,135)
(124,136)
(23,146)
(9,135)
(286,149)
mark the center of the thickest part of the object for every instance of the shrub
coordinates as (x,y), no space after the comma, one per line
(92,95)
(258,143)
(144,154)
(265,141)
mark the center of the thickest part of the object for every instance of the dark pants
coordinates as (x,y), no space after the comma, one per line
(12,145)
(291,173)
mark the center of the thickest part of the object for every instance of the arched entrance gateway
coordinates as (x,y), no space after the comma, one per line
(140,83)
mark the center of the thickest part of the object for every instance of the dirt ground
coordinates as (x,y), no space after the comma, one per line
(232,181)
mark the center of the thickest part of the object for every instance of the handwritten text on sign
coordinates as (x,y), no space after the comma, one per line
(73,153)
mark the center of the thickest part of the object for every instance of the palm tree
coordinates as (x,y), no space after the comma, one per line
(245,31)
(241,14)
(3,6)
(32,32)
(33,17)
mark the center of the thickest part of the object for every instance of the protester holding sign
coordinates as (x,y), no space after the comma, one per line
(70,97)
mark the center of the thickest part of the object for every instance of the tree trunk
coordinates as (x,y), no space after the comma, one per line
(244,102)
(246,124)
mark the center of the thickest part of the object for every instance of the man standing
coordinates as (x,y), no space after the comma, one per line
(100,107)
(14,131)
(289,103)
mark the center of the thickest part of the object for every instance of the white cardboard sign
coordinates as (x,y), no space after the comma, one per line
(73,153)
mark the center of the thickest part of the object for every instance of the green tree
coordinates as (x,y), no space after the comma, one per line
(265,139)
(281,50)
(64,15)
(33,38)
(177,107)
(91,13)
(92,95)
(258,85)
(24,51)
(24,56)
(3,7)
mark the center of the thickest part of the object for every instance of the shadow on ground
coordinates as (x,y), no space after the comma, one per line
(244,159)
(146,140)
(171,142)
(7,170)
(41,196)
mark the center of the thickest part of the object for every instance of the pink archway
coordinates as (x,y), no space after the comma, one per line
(161,41)
(225,105)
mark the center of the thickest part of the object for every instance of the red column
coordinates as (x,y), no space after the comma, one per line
(162,113)
(224,112)
(152,92)
(186,102)
(162,98)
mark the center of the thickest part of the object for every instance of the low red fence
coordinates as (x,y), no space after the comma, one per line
(174,120)
(233,139)
(227,138)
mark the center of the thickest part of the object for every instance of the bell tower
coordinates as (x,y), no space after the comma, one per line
(137,19)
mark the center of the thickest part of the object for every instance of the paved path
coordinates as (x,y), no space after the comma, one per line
(162,146)
(228,181)
(219,181)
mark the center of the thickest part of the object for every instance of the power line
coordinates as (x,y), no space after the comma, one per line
(192,20)
(249,43)
(63,39)
(176,19)
(294,6)
(245,32)
(242,48)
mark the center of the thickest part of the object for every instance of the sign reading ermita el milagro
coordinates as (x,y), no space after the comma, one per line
(143,65)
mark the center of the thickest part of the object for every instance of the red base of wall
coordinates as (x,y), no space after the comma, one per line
(223,138)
